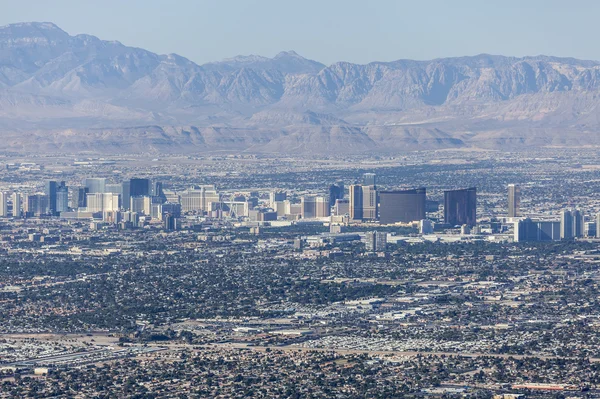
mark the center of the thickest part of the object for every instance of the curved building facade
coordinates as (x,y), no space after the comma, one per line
(402,206)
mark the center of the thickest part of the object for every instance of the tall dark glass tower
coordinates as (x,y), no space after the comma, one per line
(51,187)
(460,207)
(336,191)
(139,187)
(402,206)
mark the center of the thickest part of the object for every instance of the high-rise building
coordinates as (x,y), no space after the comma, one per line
(402,206)
(369,202)
(126,195)
(589,229)
(79,197)
(62,198)
(460,207)
(170,222)
(529,230)
(50,190)
(322,207)
(598,225)
(36,204)
(276,196)
(375,241)
(369,179)
(158,194)
(95,185)
(514,200)
(3,204)
(341,207)
(308,206)
(102,202)
(356,202)
(336,192)
(571,224)
(16,204)
(139,187)
(199,199)
(141,205)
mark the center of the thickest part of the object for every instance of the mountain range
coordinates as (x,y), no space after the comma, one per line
(63,93)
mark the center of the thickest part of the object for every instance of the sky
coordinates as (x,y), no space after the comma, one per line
(328,30)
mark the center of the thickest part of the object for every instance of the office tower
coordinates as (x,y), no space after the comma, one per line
(369,202)
(102,202)
(571,224)
(460,207)
(402,206)
(16,205)
(341,207)
(375,241)
(3,204)
(369,180)
(322,207)
(50,190)
(139,187)
(142,205)
(36,204)
(529,230)
(276,196)
(308,207)
(126,194)
(514,200)
(95,185)
(598,225)
(199,199)
(79,197)
(62,198)
(356,202)
(336,192)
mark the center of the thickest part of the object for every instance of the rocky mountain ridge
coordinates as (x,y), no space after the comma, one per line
(80,93)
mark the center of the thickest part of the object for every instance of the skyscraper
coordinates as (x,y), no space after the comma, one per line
(356,202)
(402,206)
(16,205)
(199,199)
(51,187)
(62,198)
(369,202)
(3,204)
(139,187)
(571,224)
(514,200)
(79,197)
(276,196)
(369,179)
(460,207)
(308,207)
(36,204)
(102,202)
(95,185)
(336,192)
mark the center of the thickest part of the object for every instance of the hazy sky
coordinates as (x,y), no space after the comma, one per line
(328,30)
